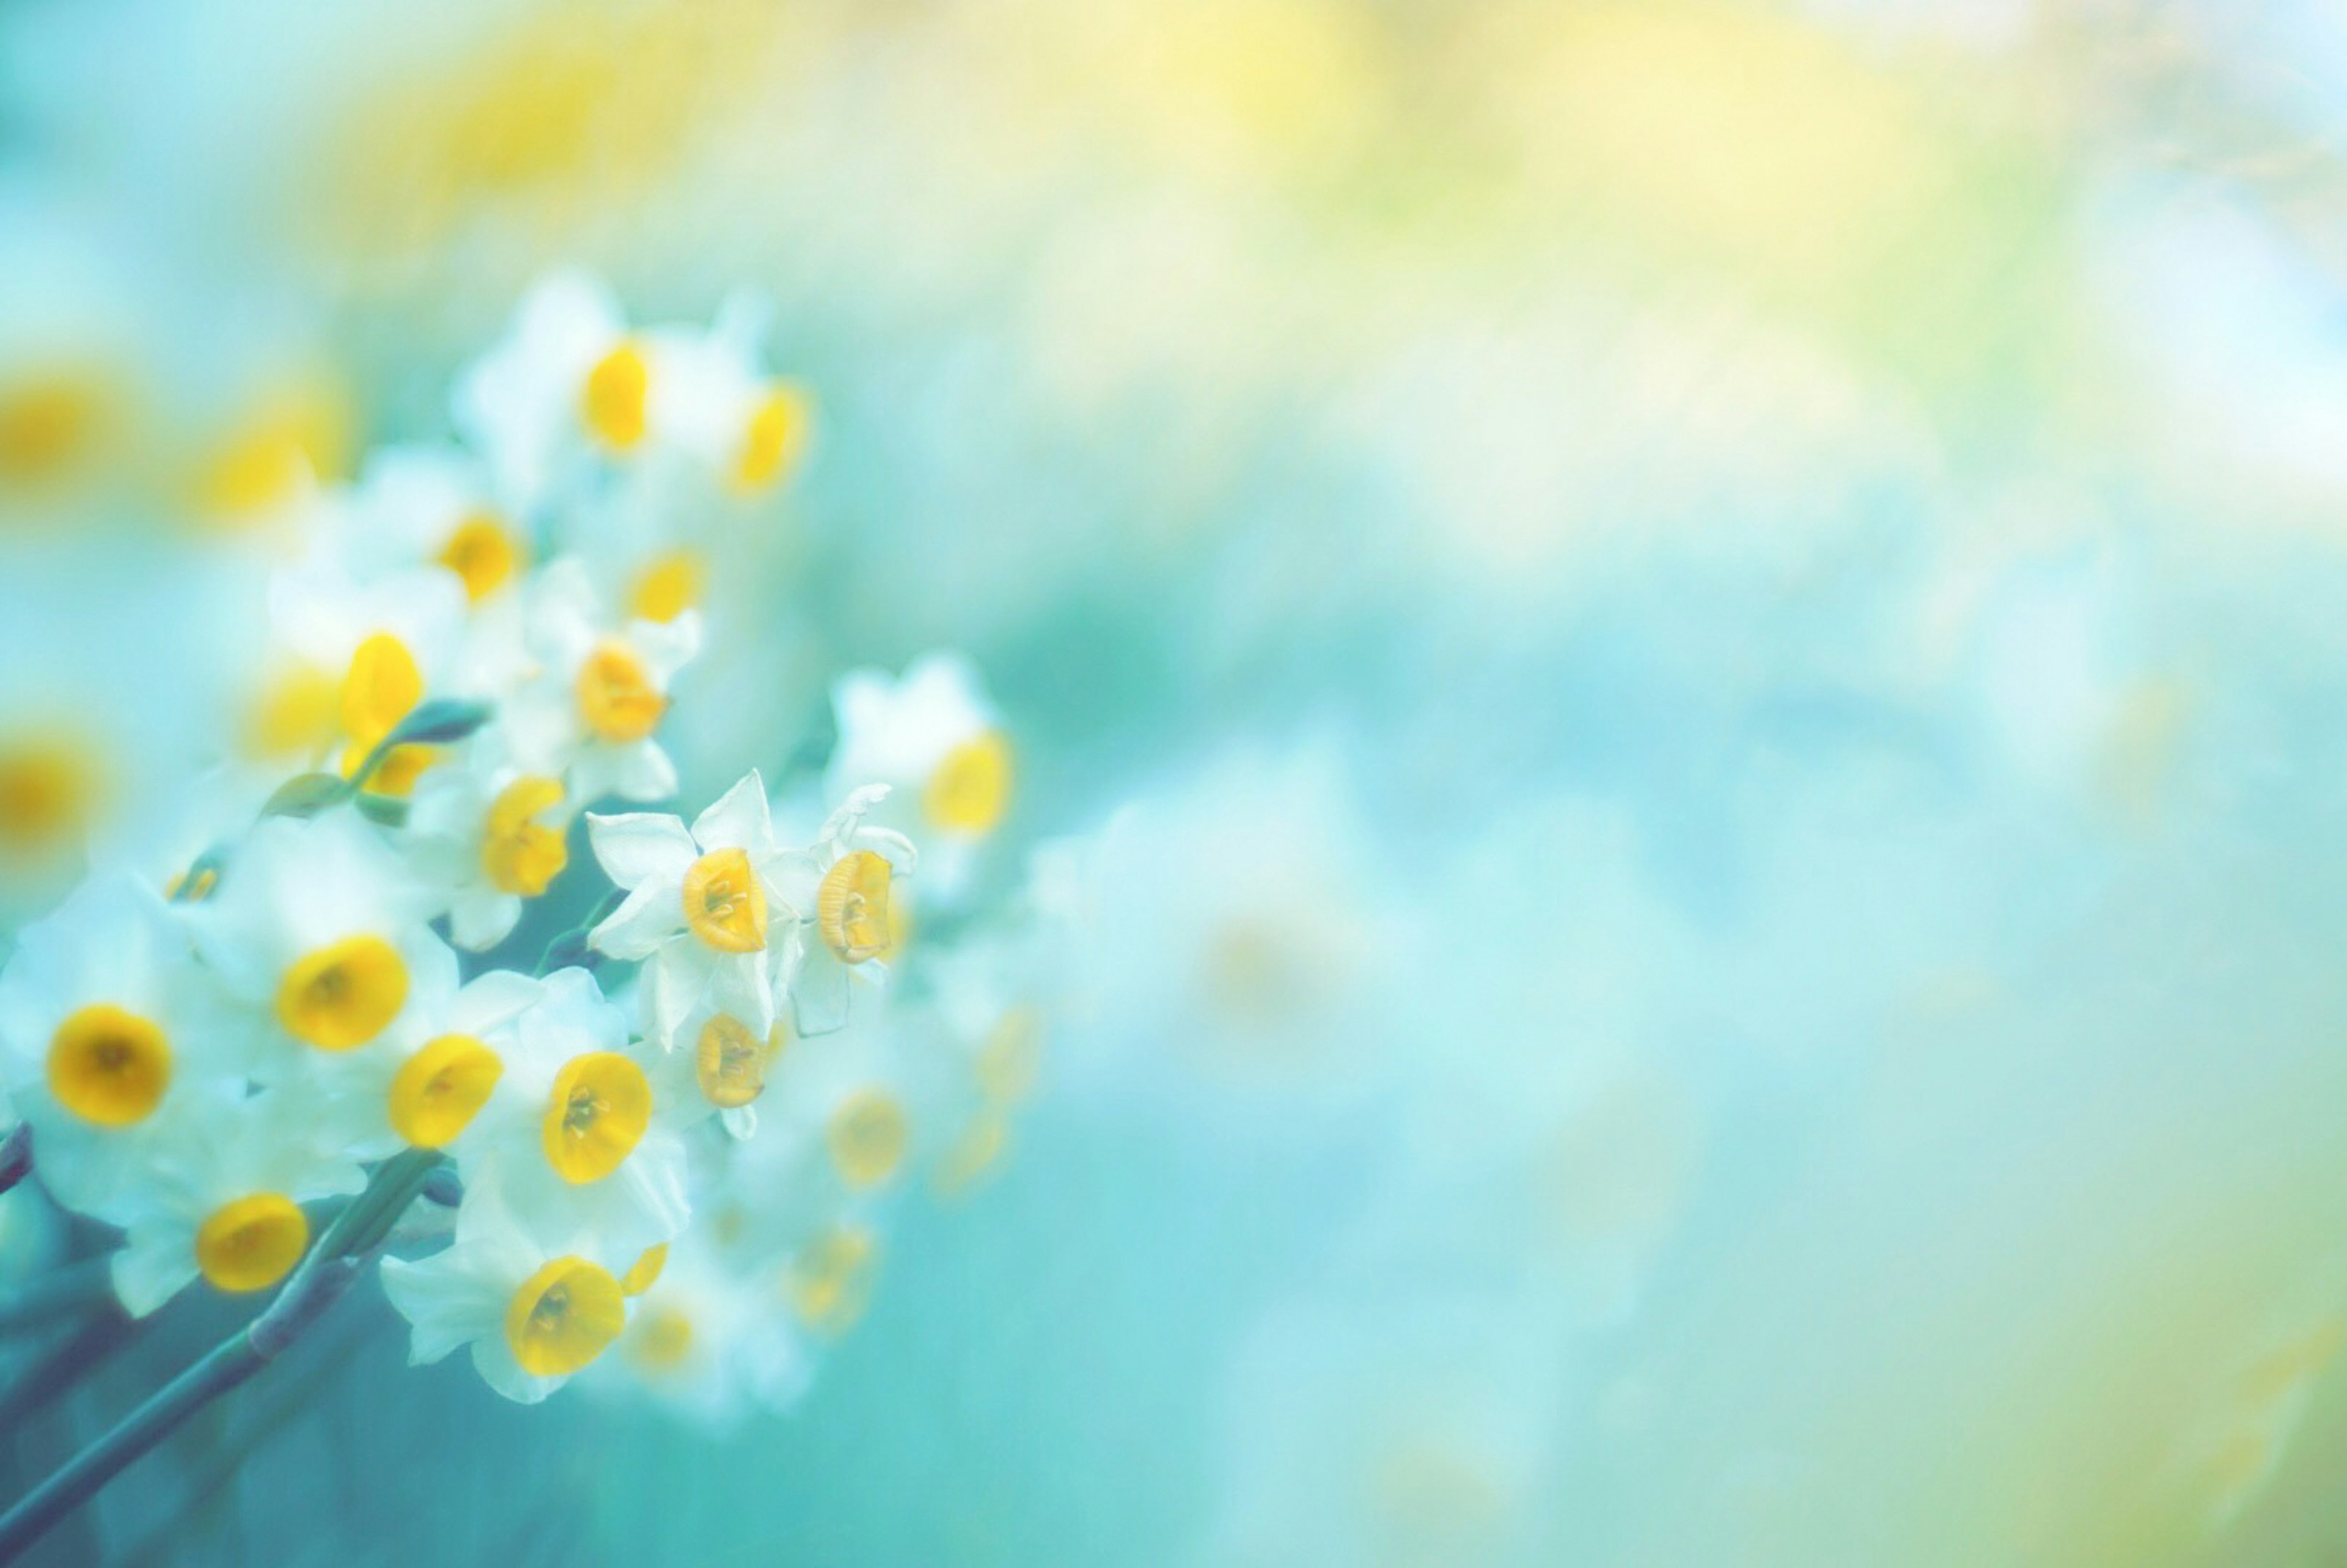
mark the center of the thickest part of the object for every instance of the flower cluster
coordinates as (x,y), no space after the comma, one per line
(676,1130)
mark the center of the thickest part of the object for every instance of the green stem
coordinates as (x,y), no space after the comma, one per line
(315,1286)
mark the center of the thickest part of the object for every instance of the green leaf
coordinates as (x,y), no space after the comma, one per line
(307,795)
(440,721)
(388,810)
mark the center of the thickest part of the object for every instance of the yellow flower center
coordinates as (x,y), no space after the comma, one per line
(970,789)
(108,1066)
(612,402)
(1007,1062)
(830,1280)
(977,1151)
(382,686)
(724,904)
(731,1062)
(48,423)
(342,995)
(851,907)
(667,586)
(484,553)
(440,1090)
(518,854)
(662,1341)
(253,1243)
(645,1271)
(599,1111)
(295,713)
(563,1317)
(616,696)
(49,794)
(867,1136)
(253,472)
(773,438)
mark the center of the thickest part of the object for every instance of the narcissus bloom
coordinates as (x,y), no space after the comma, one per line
(840,887)
(535,1307)
(938,741)
(223,1199)
(709,1337)
(701,908)
(433,506)
(487,836)
(599,688)
(352,659)
(572,1130)
(111,1037)
(318,928)
(574,387)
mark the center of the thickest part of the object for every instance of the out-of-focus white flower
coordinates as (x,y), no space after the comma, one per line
(710,1338)
(487,836)
(97,727)
(854,1102)
(840,886)
(423,1082)
(573,385)
(535,1307)
(111,1039)
(223,1198)
(599,690)
(431,507)
(571,1128)
(938,741)
(697,908)
(317,929)
(354,657)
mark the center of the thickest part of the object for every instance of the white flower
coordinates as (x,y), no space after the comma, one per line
(706,1340)
(352,659)
(840,887)
(698,908)
(599,691)
(423,1082)
(573,388)
(855,1105)
(111,1036)
(318,929)
(573,1133)
(487,836)
(563,380)
(536,1306)
(223,1198)
(417,506)
(935,738)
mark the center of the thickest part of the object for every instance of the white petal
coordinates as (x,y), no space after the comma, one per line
(675,982)
(493,1358)
(637,846)
(156,1263)
(446,1303)
(640,771)
(819,996)
(493,998)
(480,919)
(738,820)
(650,916)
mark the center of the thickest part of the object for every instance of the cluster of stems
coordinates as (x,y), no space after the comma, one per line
(348,1244)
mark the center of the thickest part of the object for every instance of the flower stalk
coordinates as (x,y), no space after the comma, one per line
(319,1281)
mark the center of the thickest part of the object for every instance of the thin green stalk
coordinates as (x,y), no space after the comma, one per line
(315,1286)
